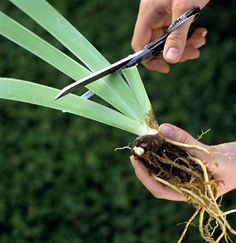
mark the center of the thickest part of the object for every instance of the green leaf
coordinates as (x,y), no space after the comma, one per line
(128,98)
(24,91)
(28,40)
(136,84)
(52,21)
(115,91)
(25,38)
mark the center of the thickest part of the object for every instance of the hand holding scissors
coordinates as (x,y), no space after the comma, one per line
(152,50)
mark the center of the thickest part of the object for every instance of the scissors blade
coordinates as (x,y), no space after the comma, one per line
(150,50)
(94,76)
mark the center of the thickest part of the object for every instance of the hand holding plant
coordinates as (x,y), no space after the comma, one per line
(200,176)
(221,162)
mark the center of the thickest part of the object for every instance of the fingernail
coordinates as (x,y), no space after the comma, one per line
(172,54)
(167,131)
(204,33)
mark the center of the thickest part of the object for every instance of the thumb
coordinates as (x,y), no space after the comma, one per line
(177,134)
(176,41)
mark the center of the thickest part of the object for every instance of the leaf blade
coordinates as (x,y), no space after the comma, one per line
(52,21)
(135,82)
(106,88)
(25,91)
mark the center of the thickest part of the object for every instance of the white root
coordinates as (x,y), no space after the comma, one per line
(188,146)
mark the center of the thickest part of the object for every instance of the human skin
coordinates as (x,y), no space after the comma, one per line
(154,17)
(221,161)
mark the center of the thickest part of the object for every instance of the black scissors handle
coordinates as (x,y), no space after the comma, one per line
(151,50)
(155,47)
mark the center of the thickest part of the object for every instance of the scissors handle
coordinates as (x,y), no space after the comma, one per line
(150,51)
(155,47)
(193,12)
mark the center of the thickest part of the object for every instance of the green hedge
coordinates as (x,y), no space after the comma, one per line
(60,178)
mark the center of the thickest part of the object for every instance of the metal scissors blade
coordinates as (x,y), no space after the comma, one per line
(94,76)
(151,50)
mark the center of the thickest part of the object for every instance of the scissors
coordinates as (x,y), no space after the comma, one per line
(150,51)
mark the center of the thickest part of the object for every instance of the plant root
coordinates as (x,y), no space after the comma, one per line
(168,162)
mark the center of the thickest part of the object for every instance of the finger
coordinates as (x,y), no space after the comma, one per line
(189,53)
(157,189)
(176,41)
(177,134)
(142,31)
(157,65)
(196,41)
(142,35)
(175,44)
(145,24)
(198,38)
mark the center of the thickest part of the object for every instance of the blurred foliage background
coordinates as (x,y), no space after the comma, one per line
(60,178)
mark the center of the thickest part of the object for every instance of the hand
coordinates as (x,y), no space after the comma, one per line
(221,162)
(154,17)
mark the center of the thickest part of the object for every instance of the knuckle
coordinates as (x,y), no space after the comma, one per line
(176,37)
(146,4)
(179,7)
(184,138)
(133,44)
(197,55)
(137,43)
